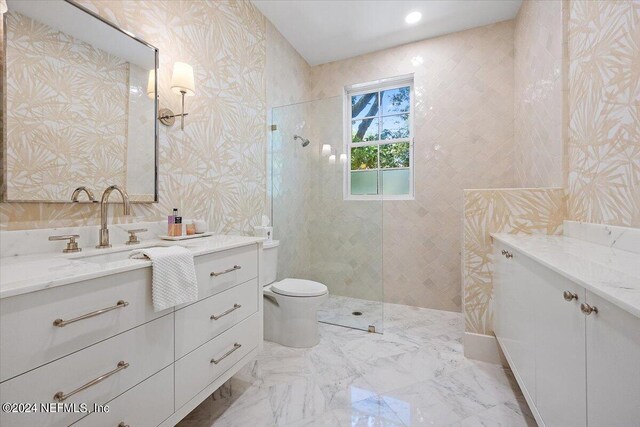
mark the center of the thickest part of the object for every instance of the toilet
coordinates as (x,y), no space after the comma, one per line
(290,305)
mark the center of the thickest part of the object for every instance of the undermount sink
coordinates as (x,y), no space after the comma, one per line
(105,258)
(119,255)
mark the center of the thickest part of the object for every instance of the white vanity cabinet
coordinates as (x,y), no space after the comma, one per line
(513,322)
(613,365)
(575,369)
(99,341)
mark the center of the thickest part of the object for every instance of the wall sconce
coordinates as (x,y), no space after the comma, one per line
(343,158)
(326,149)
(332,159)
(182,82)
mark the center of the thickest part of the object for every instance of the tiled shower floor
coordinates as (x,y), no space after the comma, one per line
(413,374)
(338,310)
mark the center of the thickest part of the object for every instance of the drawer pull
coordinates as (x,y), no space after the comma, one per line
(235,347)
(61,397)
(569,296)
(235,307)
(228,270)
(60,323)
(122,424)
(588,309)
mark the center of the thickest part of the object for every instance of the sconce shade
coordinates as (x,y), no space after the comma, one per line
(151,84)
(182,79)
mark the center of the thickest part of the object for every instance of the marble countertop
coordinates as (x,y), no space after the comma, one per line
(611,273)
(29,273)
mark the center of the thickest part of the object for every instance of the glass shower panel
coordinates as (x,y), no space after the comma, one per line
(324,237)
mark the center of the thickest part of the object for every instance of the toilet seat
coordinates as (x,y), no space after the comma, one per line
(299,288)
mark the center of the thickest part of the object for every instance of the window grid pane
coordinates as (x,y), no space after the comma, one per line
(381,147)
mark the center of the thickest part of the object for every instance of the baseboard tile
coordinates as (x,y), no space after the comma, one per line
(484,348)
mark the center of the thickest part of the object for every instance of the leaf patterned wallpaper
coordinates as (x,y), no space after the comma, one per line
(600,120)
(66,113)
(517,210)
(604,112)
(215,168)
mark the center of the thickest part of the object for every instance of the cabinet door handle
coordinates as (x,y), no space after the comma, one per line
(588,309)
(235,307)
(569,296)
(508,254)
(60,323)
(224,356)
(503,252)
(61,397)
(122,424)
(228,270)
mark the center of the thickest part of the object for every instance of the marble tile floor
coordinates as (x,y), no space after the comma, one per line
(414,374)
(338,310)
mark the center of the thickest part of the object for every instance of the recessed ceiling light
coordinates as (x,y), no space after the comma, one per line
(413,17)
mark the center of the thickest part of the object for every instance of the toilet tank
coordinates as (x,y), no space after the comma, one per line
(270,261)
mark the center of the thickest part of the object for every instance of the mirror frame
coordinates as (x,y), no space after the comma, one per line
(3,121)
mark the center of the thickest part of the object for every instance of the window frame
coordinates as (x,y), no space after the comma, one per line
(364,88)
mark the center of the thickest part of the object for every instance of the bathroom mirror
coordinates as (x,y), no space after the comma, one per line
(79,105)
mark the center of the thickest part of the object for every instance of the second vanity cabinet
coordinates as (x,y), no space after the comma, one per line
(576,366)
(100,342)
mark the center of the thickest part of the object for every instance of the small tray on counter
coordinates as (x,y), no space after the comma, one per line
(186,236)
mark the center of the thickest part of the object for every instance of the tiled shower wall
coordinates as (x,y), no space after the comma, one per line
(463,139)
(539,98)
(322,236)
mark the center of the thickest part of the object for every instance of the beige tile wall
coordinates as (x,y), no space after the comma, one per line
(538,94)
(215,169)
(463,139)
(288,82)
(604,112)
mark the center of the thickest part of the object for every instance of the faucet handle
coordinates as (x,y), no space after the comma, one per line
(72,245)
(133,238)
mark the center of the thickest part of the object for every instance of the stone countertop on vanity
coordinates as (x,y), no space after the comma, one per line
(30,273)
(611,273)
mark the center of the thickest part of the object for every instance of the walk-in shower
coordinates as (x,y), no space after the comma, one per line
(324,237)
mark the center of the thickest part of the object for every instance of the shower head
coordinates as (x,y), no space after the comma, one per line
(305,141)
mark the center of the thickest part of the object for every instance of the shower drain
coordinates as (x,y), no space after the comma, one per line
(357,313)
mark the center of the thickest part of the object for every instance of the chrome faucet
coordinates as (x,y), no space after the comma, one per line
(77,191)
(104,231)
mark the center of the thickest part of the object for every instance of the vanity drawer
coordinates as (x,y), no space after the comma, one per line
(146,405)
(147,349)
(199,322)
(197,369)
(222,270)
(29,338)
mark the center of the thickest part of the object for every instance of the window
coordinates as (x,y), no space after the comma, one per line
(380,141)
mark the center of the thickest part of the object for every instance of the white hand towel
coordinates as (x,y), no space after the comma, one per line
(174,275)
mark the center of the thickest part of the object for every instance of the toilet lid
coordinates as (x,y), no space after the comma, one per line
(299,288)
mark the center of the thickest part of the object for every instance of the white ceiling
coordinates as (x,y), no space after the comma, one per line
(329,30)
